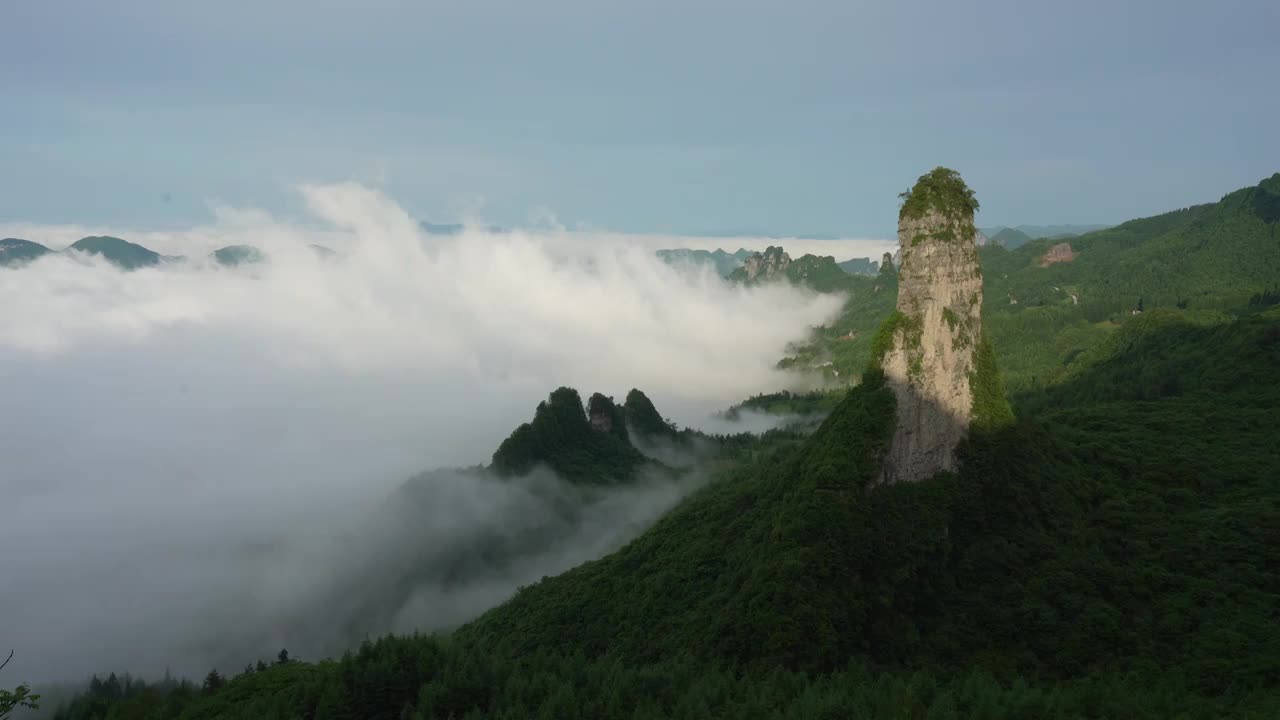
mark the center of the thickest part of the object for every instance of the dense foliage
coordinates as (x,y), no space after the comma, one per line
(561,437)
(843,347)
(418,677)
(1041,320)
(643,418)
(785,402)
(940,190)
(820,273)
(1114,552)
(990,408)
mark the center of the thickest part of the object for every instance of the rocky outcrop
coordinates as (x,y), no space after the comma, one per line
(770,264)
(606,417)
(589,447)
(1060,253)
(928,347)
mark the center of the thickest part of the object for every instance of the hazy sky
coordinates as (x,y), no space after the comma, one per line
(805,116)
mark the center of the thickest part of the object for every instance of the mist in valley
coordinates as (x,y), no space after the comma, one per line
(203,464)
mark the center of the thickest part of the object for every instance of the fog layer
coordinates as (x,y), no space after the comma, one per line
(196,459)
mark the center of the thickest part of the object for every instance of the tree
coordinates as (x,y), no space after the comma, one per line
(19,697)
(283,657)
(260,666)
(213,681)
(112,687)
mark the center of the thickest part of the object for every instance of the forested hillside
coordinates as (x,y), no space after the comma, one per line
(562,438)
(15,251)
(1042,317)
(1113,552)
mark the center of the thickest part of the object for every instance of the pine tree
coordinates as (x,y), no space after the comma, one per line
(213,681)
(112,688)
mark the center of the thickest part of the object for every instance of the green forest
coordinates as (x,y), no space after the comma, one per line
(1112,550)
(1042,319)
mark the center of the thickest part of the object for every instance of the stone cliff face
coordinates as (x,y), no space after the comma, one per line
(773,262)
(935,333)
(606,417)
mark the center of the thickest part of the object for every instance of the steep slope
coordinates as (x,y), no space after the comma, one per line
(579,449)
(643,419)
(1113,553)
(841,349)
(931,342)
(1118,558)
(771,264)
(15,251)
(121,253)
(1207,256)
(683,588)
(819,272)
(1070,523)
(774,264)
(1041,318)
(1216,256)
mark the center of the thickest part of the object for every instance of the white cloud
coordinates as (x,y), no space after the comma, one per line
(156,423)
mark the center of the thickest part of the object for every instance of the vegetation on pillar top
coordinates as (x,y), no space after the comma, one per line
(942,190)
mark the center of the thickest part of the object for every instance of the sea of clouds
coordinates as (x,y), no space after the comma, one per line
(187,450)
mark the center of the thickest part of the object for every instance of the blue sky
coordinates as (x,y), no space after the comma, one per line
(801,117)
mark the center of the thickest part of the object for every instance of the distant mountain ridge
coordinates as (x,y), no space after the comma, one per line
(1035,232)
(15,251)
(233,255)
(122,253)
(456,228)
(723,262)
(774,264)
(1009,239)
(1049,300)
(860,266)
